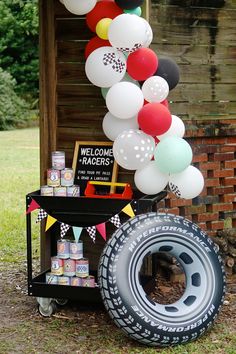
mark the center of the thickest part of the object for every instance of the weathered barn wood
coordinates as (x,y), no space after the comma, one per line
(200,35)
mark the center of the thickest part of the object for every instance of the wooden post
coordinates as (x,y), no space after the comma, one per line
(47,97)
(146,10)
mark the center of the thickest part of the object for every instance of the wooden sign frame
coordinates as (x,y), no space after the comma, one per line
(91,153)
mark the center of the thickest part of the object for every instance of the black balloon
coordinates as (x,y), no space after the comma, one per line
(129,4)
(169,70)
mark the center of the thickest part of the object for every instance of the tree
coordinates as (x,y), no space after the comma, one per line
(19,43)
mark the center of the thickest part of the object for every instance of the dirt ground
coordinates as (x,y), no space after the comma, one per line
(73,328)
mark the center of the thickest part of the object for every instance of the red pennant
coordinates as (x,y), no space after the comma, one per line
(33,205)
(102,230)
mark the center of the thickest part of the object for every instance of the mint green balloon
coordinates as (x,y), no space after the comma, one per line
(104,91)
(173,155)
(137,11)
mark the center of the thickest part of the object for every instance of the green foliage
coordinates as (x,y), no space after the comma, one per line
(13,109)
(19,43)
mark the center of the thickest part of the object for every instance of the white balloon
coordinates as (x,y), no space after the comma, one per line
(105,66)
(177,128)
(113,126)
(155,89)
(79,7)
(124,100)
(133,149)
(149,180)
(127,32)
(128,78)
(148,34)
(187,184)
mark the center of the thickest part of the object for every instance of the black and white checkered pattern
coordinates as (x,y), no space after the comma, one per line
(92,232)
(116,220)
(130,50)
(41,215)
(64,228)
(117,64)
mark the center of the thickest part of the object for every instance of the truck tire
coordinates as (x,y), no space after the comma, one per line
(124,297)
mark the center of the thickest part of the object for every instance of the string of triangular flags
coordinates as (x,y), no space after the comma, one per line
(92,230)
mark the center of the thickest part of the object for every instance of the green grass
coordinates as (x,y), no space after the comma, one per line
(19,161)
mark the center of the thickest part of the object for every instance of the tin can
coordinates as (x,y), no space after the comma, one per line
(51,278)
(88,281)
(67,177)
(76,281)
(59,191)
(69,267)
(46,191)
(63,248)
(76,249)
(58,160)
(73,191)
(57,266)
(63,280)
(82,268)
(53,177)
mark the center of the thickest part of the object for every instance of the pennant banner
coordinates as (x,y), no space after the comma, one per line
(77,232)
(50,222)
(102,230)
(64,229)
(41,215)
(33,205)
(115,220)
(128,210)
(92,232)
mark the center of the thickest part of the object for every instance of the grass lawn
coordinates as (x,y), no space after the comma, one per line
(19,161)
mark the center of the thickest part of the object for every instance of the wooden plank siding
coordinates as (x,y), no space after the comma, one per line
(200,35)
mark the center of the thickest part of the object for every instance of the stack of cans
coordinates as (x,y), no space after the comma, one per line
(69,267)
(60,180)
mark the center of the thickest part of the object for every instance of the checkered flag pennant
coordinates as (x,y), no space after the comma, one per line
(116,220)
(92,232)
(116,63)
(41,215)
(64,229)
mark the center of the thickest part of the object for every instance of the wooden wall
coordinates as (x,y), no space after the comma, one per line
(201,36)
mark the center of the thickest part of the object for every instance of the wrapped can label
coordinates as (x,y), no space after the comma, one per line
(57,266)
(46,191)
(76,250)
(58,160)
(73,191)
(76,281)
(59,191)
(51,278)
(53,177)
(88,281)
(63,280)
(63,248)
(82,268)
(67,177)
(69,267)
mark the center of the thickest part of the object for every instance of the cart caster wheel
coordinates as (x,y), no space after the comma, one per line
(47,311)
(61,302)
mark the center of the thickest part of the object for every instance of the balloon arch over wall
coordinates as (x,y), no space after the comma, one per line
(135,83)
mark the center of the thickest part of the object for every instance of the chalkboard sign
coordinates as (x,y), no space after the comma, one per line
(93,161)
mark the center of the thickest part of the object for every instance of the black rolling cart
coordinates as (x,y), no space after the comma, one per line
(76,211)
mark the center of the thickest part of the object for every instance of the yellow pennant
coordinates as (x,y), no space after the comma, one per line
(128,210)
(50,222)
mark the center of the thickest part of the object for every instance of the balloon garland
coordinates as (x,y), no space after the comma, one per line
(135,83)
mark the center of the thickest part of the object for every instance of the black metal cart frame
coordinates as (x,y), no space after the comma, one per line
(77,211)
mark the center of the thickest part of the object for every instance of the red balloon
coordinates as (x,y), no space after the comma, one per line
(165,103)
(142,64)
(95,43)
(154,119)
(103,9)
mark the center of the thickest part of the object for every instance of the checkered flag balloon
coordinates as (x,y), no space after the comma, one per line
(64,229)
(116,220)
(92,232)
(41,215)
